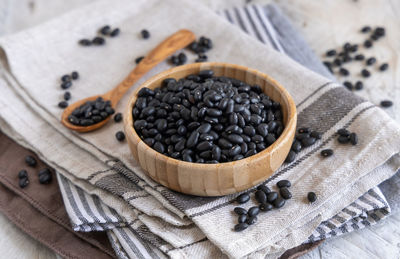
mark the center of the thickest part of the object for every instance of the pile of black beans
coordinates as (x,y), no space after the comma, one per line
(346,136)
(207,119)
(106,30)
(200,47)
(305,137)
(66,83)
(91,112)
(267,200)
(45,175)
(349,53)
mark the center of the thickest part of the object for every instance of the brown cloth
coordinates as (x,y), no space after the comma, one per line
(39,210)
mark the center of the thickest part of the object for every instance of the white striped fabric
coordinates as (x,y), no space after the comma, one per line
(135,240)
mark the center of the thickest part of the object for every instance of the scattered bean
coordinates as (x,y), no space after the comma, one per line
(312,197)
(22,174)
(120,136)
(284,183)
(145,34)
(326,152)
(386,103)
(30,161)
(243,198)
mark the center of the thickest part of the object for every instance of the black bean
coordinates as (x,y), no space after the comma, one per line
(266,207)
(348,85)
(118,117)
(22,174)
(370,61)
(316,135)
(312,197)
(359,85)
(30,160)
(204,128)
(74,75)
(66,78)
(386,103)
(365,73)
(63,104)
(66,85)
(366,29)
(242,218)
(149,141)
(359,57)
(344,72)
(283,183)
(214,112)
(285,193)
(159,147)
(296,146)
(262,129)
(368,44)
(206,73)
(270,138)
(234,151)
(85,42)
(337,62)
(45,176)
(120,136)
(264,188)
(290,157)
(251,220)
(279,202)
(224,144)
(261,197)
(216,153)
(241,226)
(353,139)
(138,59)
(23,182)
(235,139)
(343,139)
(343,132)
(326,152)
(98,41)
(272,196)
(308,141)
(243,198)
(240,211)
(253,211)
(105,30)
(331,53)
(384,67)
(145,34)
(67,96)
(115,32)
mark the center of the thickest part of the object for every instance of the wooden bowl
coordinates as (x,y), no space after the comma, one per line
(215,179)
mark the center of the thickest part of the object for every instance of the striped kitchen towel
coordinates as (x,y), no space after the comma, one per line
(272,28)
(177,224)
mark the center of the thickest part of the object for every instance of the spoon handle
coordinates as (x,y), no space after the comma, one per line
(176,41)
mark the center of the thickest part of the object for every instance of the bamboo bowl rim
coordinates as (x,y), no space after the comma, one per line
(128,118)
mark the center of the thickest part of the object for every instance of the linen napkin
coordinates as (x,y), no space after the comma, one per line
(39,210)
(312,93)
(282,36)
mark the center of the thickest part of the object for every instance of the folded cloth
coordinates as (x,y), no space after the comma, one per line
(39,210)
(281,35)
(322,105)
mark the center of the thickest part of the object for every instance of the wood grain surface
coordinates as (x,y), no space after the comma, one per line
(215,179)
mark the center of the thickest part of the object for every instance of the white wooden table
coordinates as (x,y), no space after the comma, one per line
(325,24)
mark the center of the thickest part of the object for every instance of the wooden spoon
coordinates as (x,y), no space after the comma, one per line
(176,41)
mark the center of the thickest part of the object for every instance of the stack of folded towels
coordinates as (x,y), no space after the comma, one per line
(104,189)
